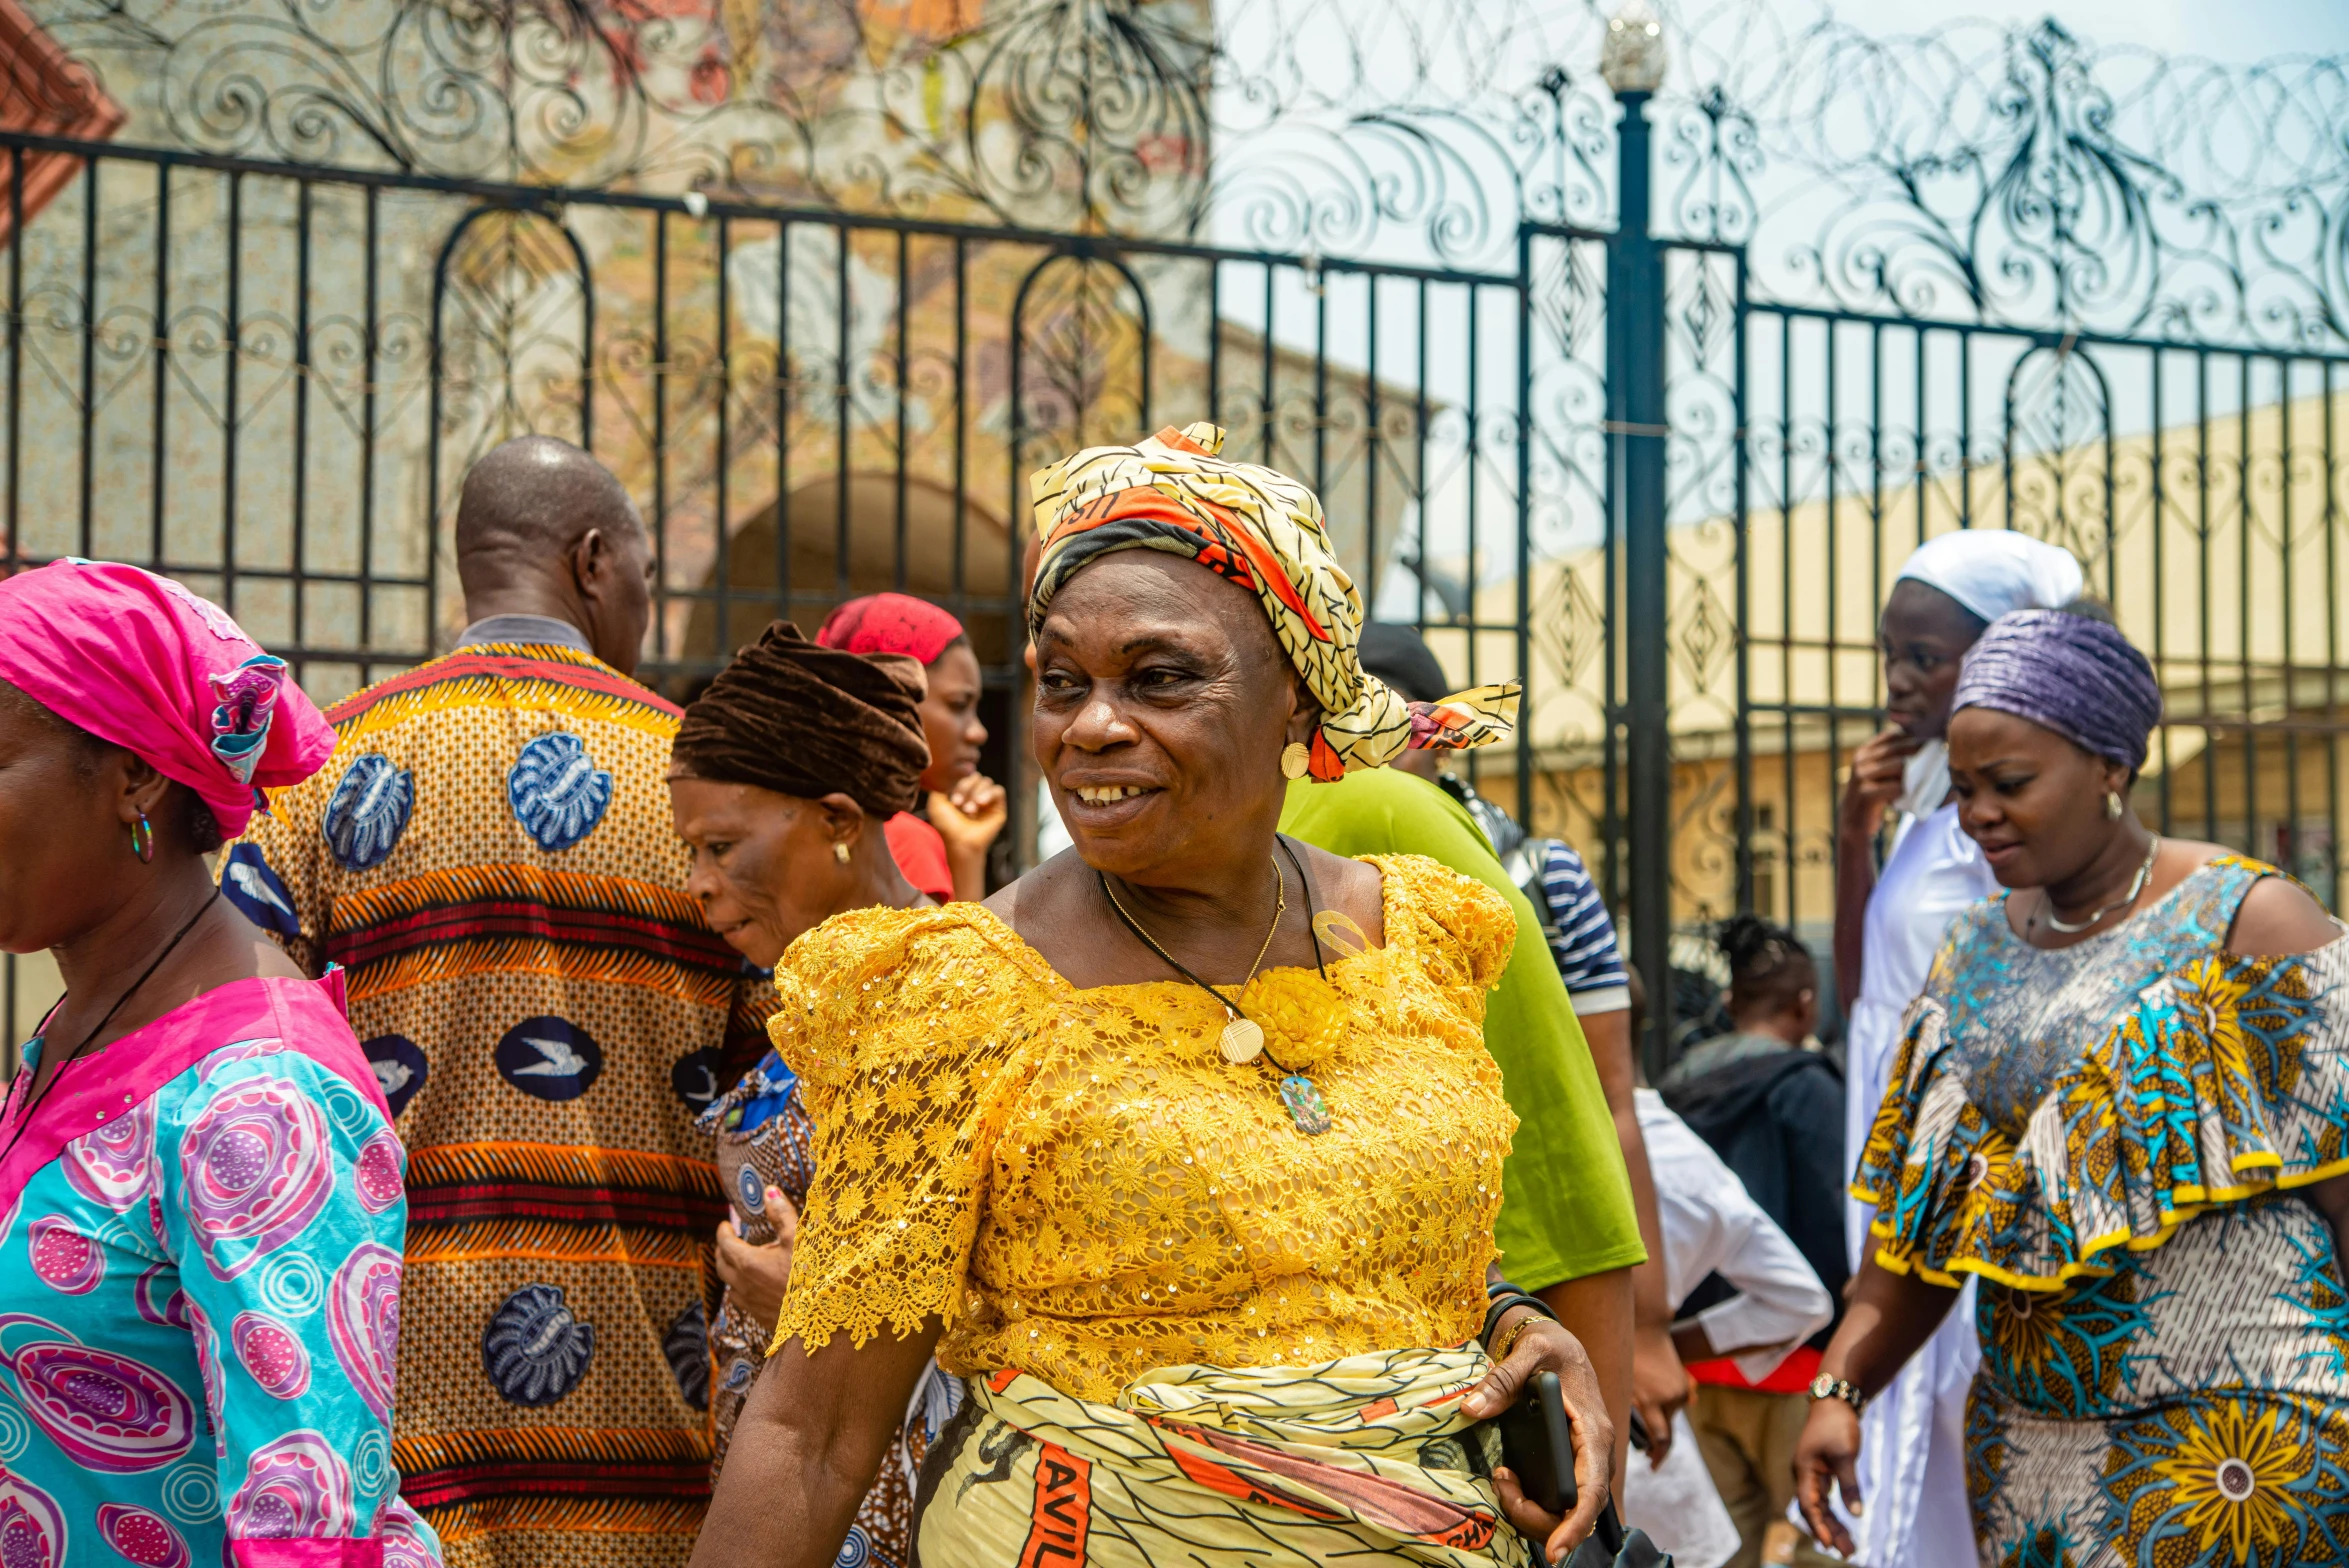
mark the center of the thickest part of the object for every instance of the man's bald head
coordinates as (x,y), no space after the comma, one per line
(532,498)
(544,529)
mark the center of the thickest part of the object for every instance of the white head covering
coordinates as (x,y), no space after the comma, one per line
(1995,571)
(1991,572)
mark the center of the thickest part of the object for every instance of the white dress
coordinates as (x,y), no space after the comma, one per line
(1912,1467)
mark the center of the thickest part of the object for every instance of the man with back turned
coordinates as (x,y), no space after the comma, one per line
(489,856)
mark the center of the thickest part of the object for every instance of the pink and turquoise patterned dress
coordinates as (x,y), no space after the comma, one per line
(200,1234)
(2113,1137)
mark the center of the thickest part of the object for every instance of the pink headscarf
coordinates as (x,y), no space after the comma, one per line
(137,660)
(890,623)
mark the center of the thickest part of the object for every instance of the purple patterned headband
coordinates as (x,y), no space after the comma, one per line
(2069,673)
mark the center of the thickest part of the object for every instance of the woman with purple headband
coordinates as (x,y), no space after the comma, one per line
(2122,1104)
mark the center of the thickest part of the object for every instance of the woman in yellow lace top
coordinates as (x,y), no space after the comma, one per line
(1184,1150)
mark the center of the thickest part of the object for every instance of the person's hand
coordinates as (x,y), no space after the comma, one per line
(1828,1454)
(757,1274)
(1659,1389)
(1547,1347)
(970,816)
(1876,779)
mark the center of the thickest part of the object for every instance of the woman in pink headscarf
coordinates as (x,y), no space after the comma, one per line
(946,855)
(201,1207)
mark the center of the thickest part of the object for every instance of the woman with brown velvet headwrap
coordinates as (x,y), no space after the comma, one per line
(780,778)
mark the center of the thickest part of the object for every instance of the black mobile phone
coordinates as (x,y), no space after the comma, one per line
(1537,1444)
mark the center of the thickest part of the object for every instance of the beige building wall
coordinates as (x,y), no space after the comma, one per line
(2236,583)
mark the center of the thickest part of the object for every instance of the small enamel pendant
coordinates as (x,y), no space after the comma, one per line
(1242,1041)
(1306,1107)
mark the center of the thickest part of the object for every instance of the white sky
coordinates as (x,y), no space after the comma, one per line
(2238,32)
(1349,54)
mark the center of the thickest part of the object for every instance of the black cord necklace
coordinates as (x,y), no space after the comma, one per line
(1299,1095)
(36,1101)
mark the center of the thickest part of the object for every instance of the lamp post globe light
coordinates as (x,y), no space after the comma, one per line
(1633,58)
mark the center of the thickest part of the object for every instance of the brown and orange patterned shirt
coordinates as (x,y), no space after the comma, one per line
(490,856)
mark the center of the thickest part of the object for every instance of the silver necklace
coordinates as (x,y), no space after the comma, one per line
(2136,886)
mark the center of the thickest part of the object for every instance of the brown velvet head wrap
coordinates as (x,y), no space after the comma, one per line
(800,719)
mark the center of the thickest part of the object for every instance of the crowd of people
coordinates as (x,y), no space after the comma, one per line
(506,1120)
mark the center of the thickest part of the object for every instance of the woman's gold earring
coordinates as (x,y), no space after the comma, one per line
(1296,760)
(840,852)
(2112,805)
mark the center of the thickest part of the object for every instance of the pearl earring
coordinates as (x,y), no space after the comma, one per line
(2112,805)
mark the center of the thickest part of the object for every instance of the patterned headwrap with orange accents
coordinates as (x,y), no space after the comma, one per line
(1264,531)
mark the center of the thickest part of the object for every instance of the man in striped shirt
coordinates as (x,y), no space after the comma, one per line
(1581,933)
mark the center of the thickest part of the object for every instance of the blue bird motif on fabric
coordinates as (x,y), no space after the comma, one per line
(369,811)
(247,882)
(557,792)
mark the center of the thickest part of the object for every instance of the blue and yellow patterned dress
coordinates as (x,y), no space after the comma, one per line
(2109,1135)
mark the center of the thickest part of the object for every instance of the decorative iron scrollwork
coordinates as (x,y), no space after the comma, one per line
(2012,175)
(1078,114)
(2023,177)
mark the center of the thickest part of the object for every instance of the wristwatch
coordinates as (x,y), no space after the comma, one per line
(1825,1387)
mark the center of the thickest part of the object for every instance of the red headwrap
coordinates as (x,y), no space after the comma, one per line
(890,623)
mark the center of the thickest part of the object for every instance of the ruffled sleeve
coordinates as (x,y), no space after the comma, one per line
(2228,1079)
(1460,932)
(905,1028)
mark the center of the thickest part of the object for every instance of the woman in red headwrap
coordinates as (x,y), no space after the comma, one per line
(946,855)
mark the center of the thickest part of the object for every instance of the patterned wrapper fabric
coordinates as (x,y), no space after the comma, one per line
(200,1297)
(490,855)
(1261,529)
(2111,1136)
(1364,1459)
(1081,1187)
(765,1138)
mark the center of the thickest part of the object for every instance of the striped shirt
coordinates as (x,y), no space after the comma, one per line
(1582,937)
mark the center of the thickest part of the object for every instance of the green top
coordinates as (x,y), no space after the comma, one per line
(1565,1197)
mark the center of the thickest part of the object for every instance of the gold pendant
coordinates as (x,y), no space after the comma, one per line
(1242,1042)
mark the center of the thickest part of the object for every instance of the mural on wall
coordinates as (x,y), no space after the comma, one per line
(1071,114)
(729,364)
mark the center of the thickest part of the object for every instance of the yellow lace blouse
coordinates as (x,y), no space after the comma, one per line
(1081,1187)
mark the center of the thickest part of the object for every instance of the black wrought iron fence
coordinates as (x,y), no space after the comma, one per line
(1655,435)
(268,381)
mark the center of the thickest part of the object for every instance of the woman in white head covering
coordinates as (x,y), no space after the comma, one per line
(1887,928)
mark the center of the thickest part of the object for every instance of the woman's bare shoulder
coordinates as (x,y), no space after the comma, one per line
(1043,894)
(2279,917)
(1354,888)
